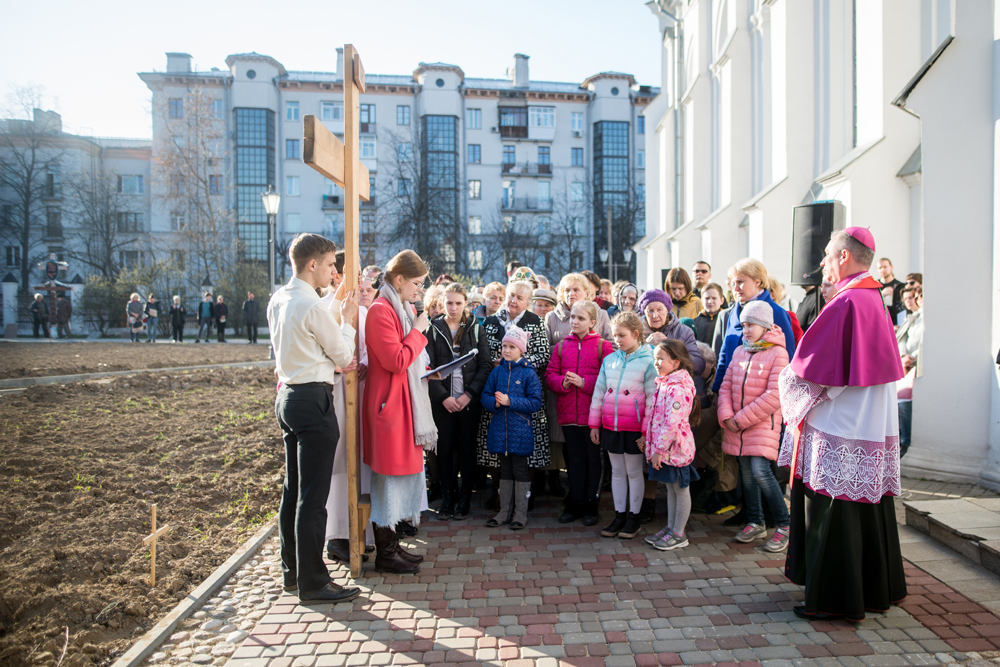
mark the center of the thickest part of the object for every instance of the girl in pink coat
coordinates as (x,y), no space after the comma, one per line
(670,446)
(750,414)
(572,375)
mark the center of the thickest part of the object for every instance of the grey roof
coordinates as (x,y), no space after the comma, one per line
(331,77)
(914,165)
(534,86)
(9,278)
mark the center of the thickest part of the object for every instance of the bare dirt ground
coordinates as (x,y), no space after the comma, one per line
(18,360)
(81,465)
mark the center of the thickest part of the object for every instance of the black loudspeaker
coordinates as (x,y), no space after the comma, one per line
(812,226)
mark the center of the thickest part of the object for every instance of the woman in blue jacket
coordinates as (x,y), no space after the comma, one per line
(513,393)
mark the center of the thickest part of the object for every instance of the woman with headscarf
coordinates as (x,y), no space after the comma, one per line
(513,313)
(398,422)
(627,296)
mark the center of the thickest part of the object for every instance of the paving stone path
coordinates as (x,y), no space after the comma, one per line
(561,596)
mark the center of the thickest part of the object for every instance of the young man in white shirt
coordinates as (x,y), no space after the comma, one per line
(309,344)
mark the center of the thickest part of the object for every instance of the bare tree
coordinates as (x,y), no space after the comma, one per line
(107,221)
(567,238)
(628,210)
(30,153)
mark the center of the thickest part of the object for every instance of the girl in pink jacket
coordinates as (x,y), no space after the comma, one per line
(572,375)
(670,445)
(750,414)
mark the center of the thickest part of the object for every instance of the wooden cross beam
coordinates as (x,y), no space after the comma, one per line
(151,539)
(339,161)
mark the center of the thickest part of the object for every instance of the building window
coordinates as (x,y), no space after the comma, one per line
(332,226)
(476,260)
(640,159)
(402,187)
(403,114)
(577,225)
(475,189)
(129,222)
(576,191)
(217,110)
(177,259)
(328,187)
(640,192)
(509,155)
(128,259)
(404,151)
(542,116)
(544,155)
(176,106)
(544,194)
(13,253)
(178,220)
(367,113)
(475,224)
(130,185)
(509,191)
(368,147)
(576,121)
(514,122)
(368,228)
(332,110)
(215,184)
(475,154)
(254,171)
(544,222)
(293,223)
(611,178)
(473,119)
(292,186)
(576,157)
(291,149)
(640,125)
(291,110)
(53,223)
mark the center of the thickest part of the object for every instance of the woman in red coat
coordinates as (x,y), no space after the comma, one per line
(397,417)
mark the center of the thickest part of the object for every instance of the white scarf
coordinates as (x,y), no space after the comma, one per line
(424,429)
(506,320)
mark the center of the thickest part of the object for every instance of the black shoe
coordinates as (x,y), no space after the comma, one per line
(516,525)
(290,588)
(738,519)
(462,506)
(492,523)
(340,551)
(406,528)
(590,513)
(591,519)
(567,517)
(556,489)
(631,527)
(648,510)
(616,525)
(800,611)
(447,509)
(330,593)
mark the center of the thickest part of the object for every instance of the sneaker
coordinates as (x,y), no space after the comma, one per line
(653,539)
(778,541)
(750,532)
(671,542)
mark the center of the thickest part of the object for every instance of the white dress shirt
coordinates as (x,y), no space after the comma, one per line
(308,341)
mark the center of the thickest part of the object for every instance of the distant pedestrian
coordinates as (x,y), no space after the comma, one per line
(152,318)
(251,313)
(178,314)
(221,311)
(39,316)
(206,315)
(134,311)
(64,311)
(702,275)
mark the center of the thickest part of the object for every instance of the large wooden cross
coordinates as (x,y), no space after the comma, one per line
(339,162)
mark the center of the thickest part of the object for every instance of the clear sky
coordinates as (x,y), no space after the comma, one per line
(86,54)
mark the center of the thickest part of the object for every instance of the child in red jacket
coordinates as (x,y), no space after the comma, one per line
(572,375)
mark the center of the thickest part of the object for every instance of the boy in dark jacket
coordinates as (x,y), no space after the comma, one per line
(206,315)
(178,314)
(513,393)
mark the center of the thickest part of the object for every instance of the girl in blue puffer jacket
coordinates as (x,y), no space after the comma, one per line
(512,394)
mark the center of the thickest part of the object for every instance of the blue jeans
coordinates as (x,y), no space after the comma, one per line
(758,480)
(204,328)
(905,426)
(151,328)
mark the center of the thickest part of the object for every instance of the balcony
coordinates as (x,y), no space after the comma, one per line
(51,191)
(514,131)
(527,169)
(367,128)
(526,203)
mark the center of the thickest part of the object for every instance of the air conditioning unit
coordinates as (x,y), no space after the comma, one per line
(493,130)
(577,133)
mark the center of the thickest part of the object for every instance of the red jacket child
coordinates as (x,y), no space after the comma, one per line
(583,357)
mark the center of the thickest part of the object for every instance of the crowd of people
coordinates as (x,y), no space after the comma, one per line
(719,391)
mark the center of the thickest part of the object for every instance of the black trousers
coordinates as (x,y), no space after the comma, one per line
(515,467)
(221,329)
(252,333)
(44,326)
(178,333)
(584,465)
(309,424)
(456,436)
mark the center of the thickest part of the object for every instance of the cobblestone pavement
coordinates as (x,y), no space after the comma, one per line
(561,596)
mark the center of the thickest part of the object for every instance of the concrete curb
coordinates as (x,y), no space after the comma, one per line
(22,383)
(147,644)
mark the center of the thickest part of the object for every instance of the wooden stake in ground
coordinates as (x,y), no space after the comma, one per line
(339,162)
(151,539)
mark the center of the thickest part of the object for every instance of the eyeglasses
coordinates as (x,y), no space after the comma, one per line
(419,284)
(911,282)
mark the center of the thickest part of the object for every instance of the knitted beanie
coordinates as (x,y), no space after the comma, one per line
(689,323)
(757,312)
(518,337)
(652,295)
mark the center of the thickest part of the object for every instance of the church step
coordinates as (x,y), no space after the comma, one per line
(969,526)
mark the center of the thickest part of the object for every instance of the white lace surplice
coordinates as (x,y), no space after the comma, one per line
(849,442)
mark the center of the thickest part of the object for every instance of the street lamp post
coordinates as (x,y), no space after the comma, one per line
(271,201)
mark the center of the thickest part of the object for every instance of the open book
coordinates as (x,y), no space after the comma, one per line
(450,367)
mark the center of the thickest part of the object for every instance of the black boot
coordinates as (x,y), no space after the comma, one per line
(590,515)
(406,529)
(571,512)
(490,499)
(387,556)
(631,527)
(462,506)
(407,555)
(340,551)
(648,510)
(616,525)
(447,509)
(555,488)
(433,492)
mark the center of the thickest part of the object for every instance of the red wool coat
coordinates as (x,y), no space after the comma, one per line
(388,414)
